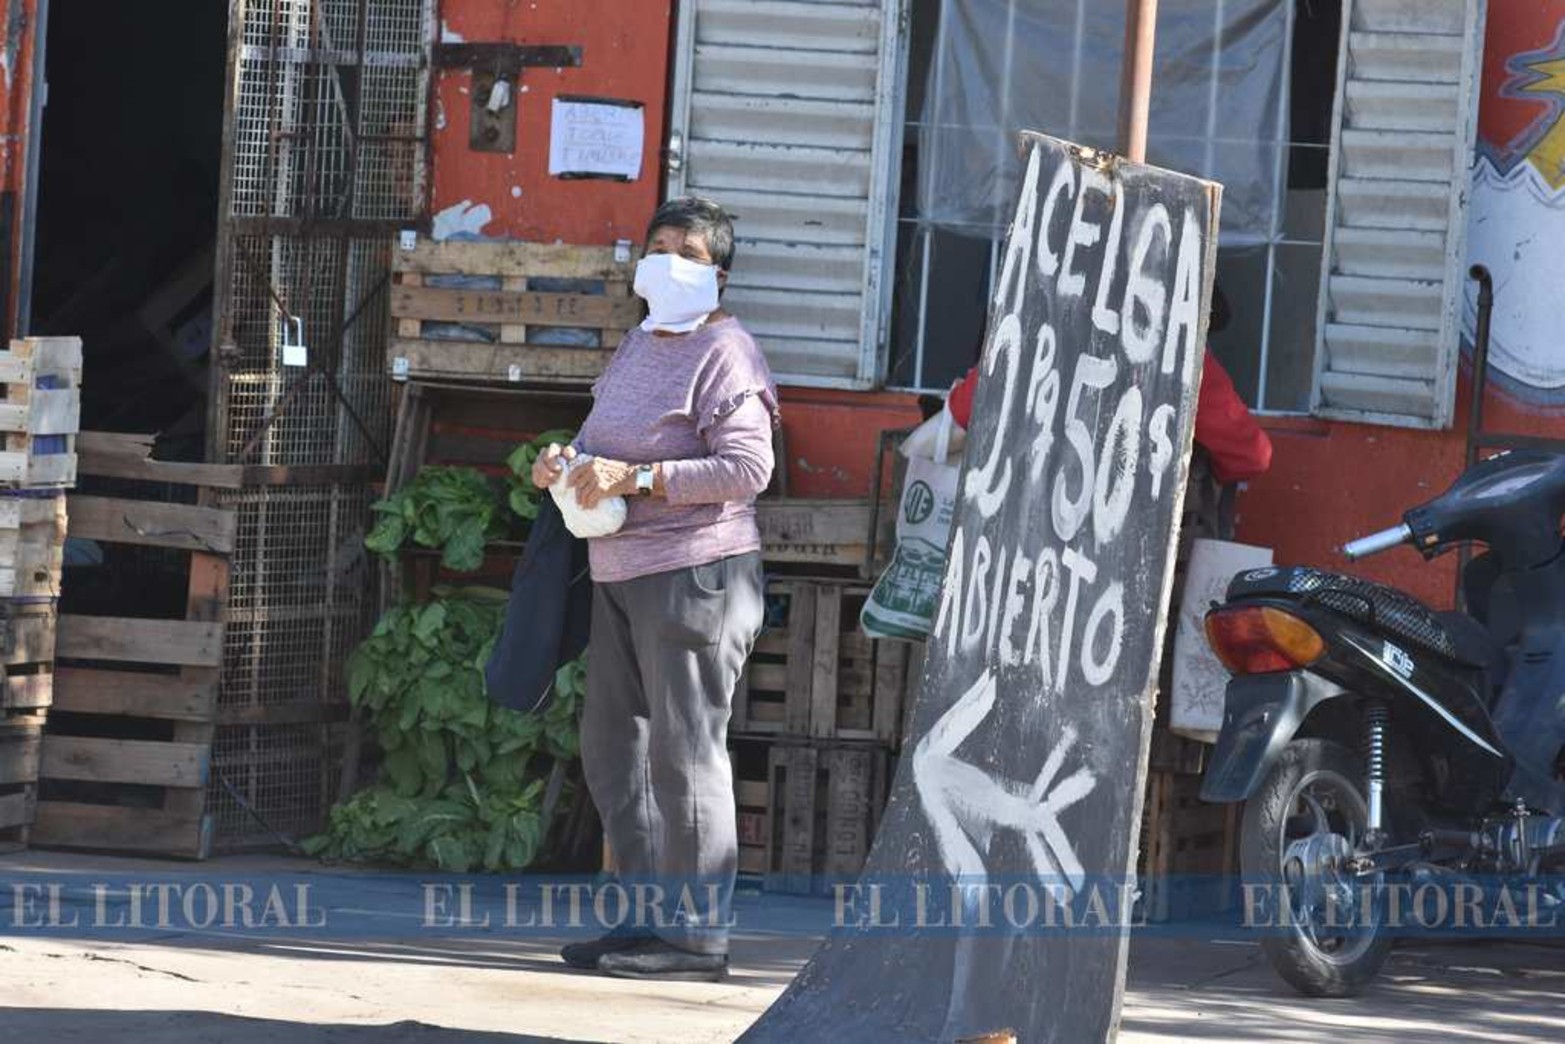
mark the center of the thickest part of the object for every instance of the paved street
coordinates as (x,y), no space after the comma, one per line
(389,980)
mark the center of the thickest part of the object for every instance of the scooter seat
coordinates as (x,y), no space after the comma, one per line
(1393,612)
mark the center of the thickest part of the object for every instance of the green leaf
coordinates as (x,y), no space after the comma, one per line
(451,853)
(494,850)
(562,436)
(520,460)
(429,622)
(387,536)
(404,769)
(524,503)
(433,759)
(317,844)
(464,548)
(361,673)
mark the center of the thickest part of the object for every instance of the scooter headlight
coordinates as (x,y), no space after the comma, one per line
(1258,639)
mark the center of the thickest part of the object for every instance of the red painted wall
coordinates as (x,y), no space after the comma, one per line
(832,438)
(625,52)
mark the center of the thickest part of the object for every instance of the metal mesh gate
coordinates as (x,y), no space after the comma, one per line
(325,164)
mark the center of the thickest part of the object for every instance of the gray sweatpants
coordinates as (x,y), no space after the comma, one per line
(663,659)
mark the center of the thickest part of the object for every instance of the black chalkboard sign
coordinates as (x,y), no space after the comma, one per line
(997,893)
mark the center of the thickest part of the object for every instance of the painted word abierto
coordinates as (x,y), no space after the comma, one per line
(1039,602)
(1029,731)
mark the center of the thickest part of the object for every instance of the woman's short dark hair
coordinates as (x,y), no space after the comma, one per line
(702,217)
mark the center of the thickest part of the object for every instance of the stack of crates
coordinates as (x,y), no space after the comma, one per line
(40,415)
(817,723)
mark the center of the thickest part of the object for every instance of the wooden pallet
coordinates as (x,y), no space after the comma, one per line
(41,412)
(32,544)
(1188,847)
(477,311)
(813,817)
(817,675)
(126,759)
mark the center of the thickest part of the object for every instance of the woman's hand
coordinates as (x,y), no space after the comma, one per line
(599,478)
(550,464)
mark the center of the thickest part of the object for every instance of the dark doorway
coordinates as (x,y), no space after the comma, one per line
(127,207)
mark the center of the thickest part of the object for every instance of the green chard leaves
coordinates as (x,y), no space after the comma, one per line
(462,780)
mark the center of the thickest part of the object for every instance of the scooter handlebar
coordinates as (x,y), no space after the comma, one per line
(1375,543)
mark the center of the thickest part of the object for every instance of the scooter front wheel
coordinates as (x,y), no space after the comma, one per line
(1298,833)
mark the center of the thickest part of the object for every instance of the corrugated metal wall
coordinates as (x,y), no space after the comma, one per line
(1396,231)
(783,111)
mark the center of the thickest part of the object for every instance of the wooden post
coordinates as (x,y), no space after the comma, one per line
(1135,83)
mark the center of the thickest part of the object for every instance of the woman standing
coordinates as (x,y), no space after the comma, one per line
(681,426)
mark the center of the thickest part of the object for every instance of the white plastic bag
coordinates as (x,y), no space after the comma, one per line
(905,599)
(926,440)
(1200,680)
(600,521)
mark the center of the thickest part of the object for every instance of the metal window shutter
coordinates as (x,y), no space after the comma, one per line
(783,112)
(1396,223)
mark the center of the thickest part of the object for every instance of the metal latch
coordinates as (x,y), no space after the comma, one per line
(294,351)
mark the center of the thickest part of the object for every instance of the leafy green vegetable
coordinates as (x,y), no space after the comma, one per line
(458,510)
(454,509)
(524,494)
(462,778)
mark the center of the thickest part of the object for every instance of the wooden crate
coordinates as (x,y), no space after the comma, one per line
(476,427)
(27,635)
(752,798)
(813,818)
(32,544)
(20,738)
(27,642)
(493,312)
(127,755)
(815,674)
(41,413)
(800,535)
(1188,847)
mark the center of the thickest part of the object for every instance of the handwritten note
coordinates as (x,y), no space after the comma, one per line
(596,139)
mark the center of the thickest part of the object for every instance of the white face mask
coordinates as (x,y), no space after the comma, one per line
(680,293)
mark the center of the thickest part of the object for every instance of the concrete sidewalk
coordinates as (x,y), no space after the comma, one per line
(388,979)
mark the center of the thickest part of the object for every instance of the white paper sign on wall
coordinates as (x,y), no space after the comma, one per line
(595,137)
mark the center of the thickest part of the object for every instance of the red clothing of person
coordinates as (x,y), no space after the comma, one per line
(1239,449)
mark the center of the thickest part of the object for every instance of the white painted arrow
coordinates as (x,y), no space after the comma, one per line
(967,806)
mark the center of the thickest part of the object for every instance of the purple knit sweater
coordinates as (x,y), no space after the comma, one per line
(704,405)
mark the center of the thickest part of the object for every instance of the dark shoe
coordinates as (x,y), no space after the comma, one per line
(656,959)
(585,955)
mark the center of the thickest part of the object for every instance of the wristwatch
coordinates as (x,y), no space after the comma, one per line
(645,477)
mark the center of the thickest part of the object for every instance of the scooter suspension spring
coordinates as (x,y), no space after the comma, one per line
(1376,717)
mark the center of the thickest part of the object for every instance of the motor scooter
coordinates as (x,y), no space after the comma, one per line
(1375,740)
